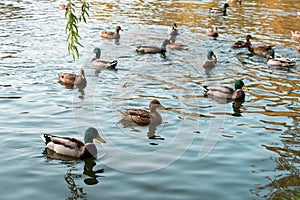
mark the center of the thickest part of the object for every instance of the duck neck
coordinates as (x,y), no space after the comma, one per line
(155,116)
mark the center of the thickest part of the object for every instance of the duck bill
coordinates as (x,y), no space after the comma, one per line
(244,88)
(100,139)
(162,107)
(214,57)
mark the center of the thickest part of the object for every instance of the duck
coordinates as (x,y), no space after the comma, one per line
(143,117)
(97,62)
(63,6)
(173,31)
(261,50)
(283,62)
(176,46)
(219,10)
(72,79)
(143,49)
(111,34)
(72,147)
(225,92)
(242,44)
(295,35)
(213,32)
(210,61)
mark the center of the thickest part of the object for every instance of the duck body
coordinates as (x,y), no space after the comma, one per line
(143,49)
(73,147)
(242,44)
(111,34)
(213,32)
(225,92)
(176,46)
(97,62)
(143,117)
(283,62)
(261,50)
(219,10)
(210,61)
(73,79)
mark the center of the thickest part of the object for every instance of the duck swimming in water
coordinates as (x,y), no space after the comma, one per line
(282,62)
(219,10)
(143,49)
(213,32)
(242,44)
(73,79)
(211,60)
(73,147)
(143,117)
(111,34)
(97,62)
(225,92)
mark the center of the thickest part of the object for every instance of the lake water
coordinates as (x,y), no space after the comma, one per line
(204,149)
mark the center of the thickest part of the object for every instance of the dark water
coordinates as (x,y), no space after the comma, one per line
(210,150)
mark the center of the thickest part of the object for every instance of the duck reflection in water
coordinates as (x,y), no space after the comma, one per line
(88,170)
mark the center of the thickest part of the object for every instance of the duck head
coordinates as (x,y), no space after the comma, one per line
(239,84)
(97,51)
(211,55)
(91,134)
(155,104)
(118,29)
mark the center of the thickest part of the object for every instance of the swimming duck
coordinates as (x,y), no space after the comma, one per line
(261,50)
(224,92)
(143,117)
(153,49)
(73,147)
(242,44)
(210,61)
(173,30)
(97,62)
(283,62)
(295,35)
(111,34)
(213,32)
(219,10)
(63,6)
(176,46)
(73,79)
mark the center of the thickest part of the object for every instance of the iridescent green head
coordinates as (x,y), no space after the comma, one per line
(91,134)
(239,84)
(211,55)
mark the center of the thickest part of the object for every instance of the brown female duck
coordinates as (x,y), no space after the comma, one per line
(73,79)
(111,34)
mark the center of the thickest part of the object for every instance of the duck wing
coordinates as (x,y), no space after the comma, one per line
(149,49)
(66,78)
(138,116)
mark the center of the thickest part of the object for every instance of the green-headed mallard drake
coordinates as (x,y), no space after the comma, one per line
(295,35)
(111,34)
(73,147)
(242,44)
(210,61)
(173,31)
(97,62)
(143,49)
(261,50)
(176,46)
(283,62)
(224,92)
(143,117)
(213,32)
(219,10)
(72,79)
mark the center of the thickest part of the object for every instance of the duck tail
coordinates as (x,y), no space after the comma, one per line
(46,138)
(113,64)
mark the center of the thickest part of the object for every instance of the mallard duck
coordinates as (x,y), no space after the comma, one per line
(210,61)
(213,32)
(173,30)
(143,117)
(153,49)
(224,92)
(97,62)
(296,34)
(242,44)
(261,50)
(73,147)
(72,79)
(219,10)
(283,62)
(111,34)
(176,46)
